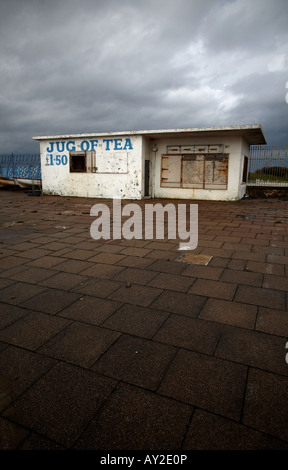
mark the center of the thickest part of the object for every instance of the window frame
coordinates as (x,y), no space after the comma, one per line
(219,163)
(76,154)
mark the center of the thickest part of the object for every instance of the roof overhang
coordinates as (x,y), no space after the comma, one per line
(253,134)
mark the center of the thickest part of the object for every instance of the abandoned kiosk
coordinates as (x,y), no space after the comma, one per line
(204,163)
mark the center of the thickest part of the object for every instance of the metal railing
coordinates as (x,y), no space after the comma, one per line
(26,166)
(268,166)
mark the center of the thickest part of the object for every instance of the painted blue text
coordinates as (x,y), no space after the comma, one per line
(90,145)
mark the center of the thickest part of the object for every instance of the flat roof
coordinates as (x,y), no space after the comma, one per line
(252,133)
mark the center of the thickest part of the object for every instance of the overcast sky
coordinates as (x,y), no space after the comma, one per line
(70,66)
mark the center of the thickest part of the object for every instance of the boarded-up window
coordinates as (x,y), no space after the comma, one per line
(216,171)
(171,171)
(200,171)
(193,171)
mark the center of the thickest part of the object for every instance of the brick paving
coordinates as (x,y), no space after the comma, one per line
(115,344)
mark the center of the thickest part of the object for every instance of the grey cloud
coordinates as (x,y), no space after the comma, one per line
(69,66)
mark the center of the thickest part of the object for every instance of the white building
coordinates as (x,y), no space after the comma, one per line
(204,163)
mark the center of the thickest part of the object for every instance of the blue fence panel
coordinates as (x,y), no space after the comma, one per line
(27,166)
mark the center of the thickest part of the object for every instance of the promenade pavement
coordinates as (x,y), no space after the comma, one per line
(124,344)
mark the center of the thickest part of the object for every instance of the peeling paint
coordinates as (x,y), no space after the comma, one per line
(205,163)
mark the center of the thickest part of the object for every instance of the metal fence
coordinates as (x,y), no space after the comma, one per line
(25,166)
(268,166)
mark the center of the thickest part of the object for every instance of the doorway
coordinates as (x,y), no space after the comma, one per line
(147,178)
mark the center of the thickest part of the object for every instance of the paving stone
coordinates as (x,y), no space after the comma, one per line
(136,320)
(61,253)
(133,243)
(137,361)
(47,406)
(272,321)
(219,252)
(204,272)
(108,248)
(10,314)
(105,271)
(261,297)
(190,258)
(50,301)
(55,246)
(269,251)
(252,348)
(241,277)
(255,241)
(230,313)
(19,292)
(249,256)
(266,405)
(23,368)
(227,238)
(35,441)
(33,330)
(135,276)
(211,432)
(158,245)
(179,335)
(12,261)
(135,262)
(206,382)
(11,435)
(98,287)
(209,243)
(25,245)
(277,259)
(265,268)
(170,267)
(275,282)
(136,294)
(5,393)
(91,310)
(33,275)
(190,333)
(64,281)
(6,252)
(217,289)
(106,258)
(136,419)
(219,262)
(79,344)
(181,303)
(72,266)
(34,253)
(172,282)
(6,283)
(77,254)
(44,240)
(134,251)
(162,254)
(46,261)
(238,264)
(6,274)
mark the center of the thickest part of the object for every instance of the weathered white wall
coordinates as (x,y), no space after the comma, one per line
(120,161)
(232,146)
(128,184)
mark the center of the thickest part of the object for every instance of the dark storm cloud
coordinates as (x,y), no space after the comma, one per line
(69,66)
